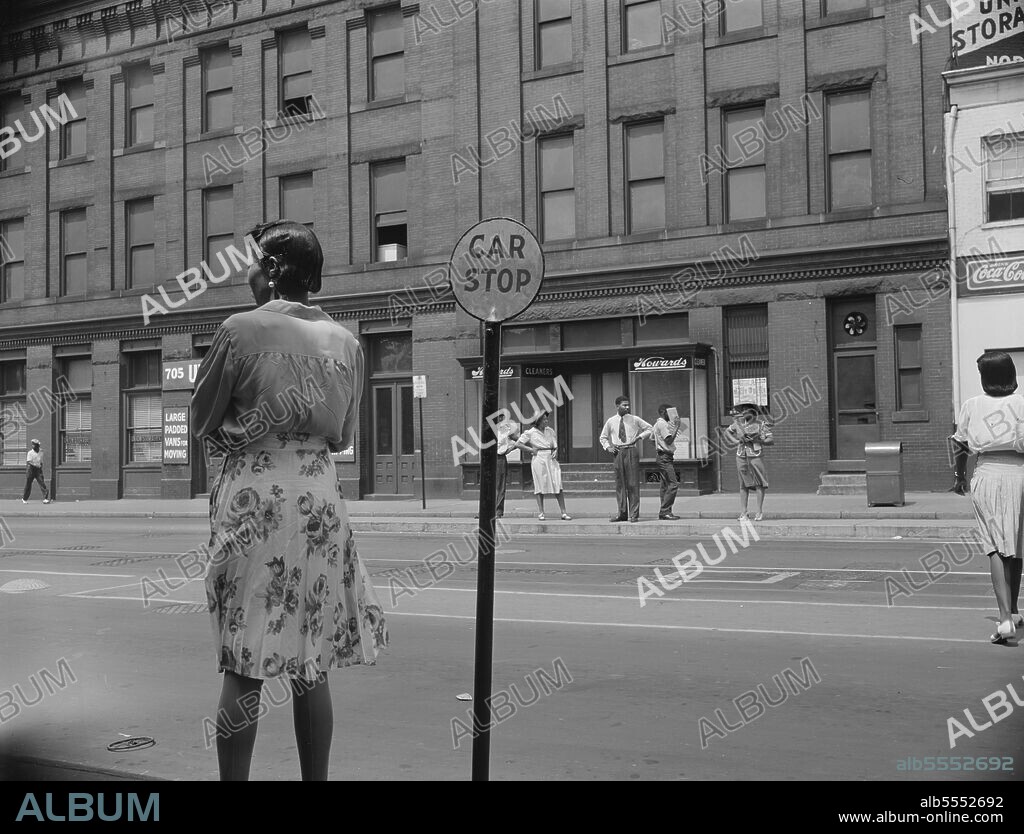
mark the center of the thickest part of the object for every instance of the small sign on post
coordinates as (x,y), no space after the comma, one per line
(419,392)
(495,272)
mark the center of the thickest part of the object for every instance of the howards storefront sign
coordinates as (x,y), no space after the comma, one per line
(671,363)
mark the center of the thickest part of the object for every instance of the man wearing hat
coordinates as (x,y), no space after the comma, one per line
(34,472)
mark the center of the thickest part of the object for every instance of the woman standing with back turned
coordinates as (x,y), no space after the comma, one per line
(288,596)
(991,425)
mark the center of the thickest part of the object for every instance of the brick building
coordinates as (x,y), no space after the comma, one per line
(733,206)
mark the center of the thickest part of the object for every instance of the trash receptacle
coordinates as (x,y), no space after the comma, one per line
(884,465)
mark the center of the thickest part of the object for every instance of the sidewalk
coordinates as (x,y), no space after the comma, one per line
(941,515)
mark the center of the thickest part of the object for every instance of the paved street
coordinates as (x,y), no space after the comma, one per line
(642,678)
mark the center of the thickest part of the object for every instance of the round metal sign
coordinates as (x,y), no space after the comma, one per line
(496,269)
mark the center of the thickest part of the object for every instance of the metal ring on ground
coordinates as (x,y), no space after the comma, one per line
(137,743)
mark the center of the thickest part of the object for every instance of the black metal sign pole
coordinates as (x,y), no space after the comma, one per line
(485,558)
(423,471)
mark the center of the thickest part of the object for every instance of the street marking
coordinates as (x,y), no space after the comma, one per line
(698,628)
(162,600)
(634,598)
(71,573)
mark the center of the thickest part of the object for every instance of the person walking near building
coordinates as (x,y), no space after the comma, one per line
(547,474)
(750,436)
(34,472)
(288,595)
(621,432)
(507,434)
(991,426)
(665,434)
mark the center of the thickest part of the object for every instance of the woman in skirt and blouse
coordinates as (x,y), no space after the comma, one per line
(991,425)
(289,598)
(547,474)
(750,437)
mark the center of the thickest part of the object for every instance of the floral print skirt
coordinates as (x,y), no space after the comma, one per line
(287,592)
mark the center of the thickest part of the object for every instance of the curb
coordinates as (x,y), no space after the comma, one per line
(768,529)
(15,768)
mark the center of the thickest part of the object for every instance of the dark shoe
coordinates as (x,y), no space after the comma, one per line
(617,519)
(633,520)
(669,517)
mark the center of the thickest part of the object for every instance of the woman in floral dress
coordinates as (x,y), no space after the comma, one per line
(278,392)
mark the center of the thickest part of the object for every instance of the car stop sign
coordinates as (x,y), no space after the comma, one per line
(496,269)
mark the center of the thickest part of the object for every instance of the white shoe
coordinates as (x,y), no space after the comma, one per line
(46,500)
(540,517)
(23,501)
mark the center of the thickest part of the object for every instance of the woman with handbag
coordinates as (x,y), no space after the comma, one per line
(750,436)
(991,426)
(547,474)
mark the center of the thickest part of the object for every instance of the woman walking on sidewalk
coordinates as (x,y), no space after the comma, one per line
(991,425)
(288,595)
(750,436)
(547,474)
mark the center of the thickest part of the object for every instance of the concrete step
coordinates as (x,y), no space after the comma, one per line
(843,483)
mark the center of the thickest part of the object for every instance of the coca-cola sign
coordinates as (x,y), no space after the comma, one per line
(996,275)
(660,363)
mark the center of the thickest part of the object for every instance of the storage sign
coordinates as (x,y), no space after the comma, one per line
(176,434)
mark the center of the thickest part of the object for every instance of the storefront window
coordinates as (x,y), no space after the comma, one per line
(680,381)
(746,354)
(76,415)
(509,388)
(12,401)
(143,406)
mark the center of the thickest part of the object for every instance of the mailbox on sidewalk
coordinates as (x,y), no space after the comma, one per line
(884,472)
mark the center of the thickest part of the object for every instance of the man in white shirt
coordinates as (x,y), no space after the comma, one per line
(665,438)
(507,434)
(619,436)
(34,472)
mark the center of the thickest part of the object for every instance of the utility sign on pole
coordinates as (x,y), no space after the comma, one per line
(419,392)
(495,272)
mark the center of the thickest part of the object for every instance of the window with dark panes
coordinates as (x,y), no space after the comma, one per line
(387,54)
(738,15)
(144,419)
(12,109)
(745,345)
(641,24)
(554,33)
(218,88)
(645,176)
(836,6)
(528,339)
(909,394)
(391,353)
(73,247)
(14,437)
(1004,178)
(218,221)
(557,188)
(390,220)
(745,167)
(674,327)
(141,248)
(849,149)
(75,442)
(73,132)
(296,72)
(579,335)
(12,260)
(296,198)
(138,82)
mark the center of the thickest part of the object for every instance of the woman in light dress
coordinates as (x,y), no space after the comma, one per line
(991,426)
(547,474)
(750,436)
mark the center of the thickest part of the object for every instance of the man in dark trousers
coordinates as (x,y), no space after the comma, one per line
(34,472)
(507,434)
(619,436)
(665,433)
